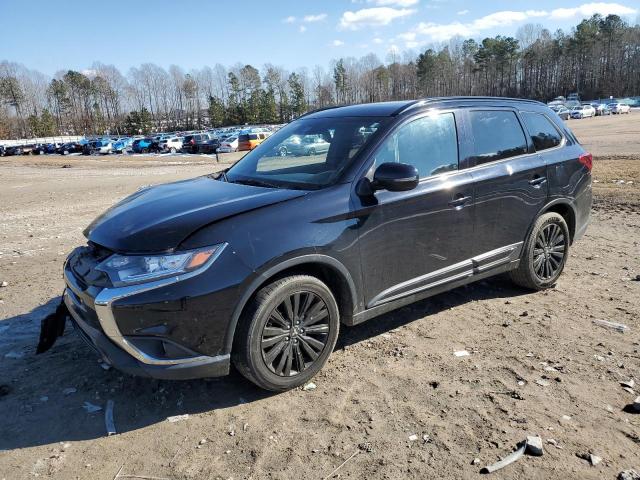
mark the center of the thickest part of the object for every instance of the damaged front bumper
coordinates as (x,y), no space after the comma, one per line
(143,356)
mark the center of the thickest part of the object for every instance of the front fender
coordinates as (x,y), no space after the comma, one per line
(277,266)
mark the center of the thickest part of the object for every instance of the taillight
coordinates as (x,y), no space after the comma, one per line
(586,159)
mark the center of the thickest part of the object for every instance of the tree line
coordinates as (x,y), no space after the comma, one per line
(600,57)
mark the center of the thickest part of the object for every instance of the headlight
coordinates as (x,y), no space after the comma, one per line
(132,269)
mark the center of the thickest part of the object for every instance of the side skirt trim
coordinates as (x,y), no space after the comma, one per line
(422,294)
(485,262)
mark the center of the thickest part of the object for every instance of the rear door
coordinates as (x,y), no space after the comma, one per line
(510,182)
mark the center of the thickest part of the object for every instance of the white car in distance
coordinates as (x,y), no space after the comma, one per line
(228,145)
(171,145)
(583,111)
(620,108)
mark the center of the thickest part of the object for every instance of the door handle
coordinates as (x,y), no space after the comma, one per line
(459,201)
(537,180)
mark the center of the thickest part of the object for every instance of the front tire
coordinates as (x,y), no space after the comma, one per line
(545,253)
(286,333)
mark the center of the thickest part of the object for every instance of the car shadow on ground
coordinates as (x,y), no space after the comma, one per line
(43,397)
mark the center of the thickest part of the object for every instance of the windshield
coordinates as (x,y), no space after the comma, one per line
(308,153)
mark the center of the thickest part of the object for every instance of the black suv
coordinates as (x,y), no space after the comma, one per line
(260,264)
(191,142)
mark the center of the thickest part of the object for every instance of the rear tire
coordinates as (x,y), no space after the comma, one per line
(544,254)
(286,333)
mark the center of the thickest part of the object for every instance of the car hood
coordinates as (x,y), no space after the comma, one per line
(158,219)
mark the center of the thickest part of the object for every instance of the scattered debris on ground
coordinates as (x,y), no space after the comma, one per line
(531,446)
(620,327)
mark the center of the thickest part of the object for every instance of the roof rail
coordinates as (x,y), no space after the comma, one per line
(320,110)
(426,101)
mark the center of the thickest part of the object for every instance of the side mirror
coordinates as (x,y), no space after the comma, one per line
(395,177)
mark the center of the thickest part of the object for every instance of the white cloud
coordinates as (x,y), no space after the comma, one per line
(463,12)
(289,19)
(314,18)
(537,13)
(377,41)
(426,32)
(398,3)
(378,16)
(588,9)
(302,29)
(337,43)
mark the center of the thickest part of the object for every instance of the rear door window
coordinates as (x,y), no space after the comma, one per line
(497,135)
(543,133)
(429,143)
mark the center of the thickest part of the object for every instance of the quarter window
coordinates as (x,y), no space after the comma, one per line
(429,143)
(543,133)
(496,135)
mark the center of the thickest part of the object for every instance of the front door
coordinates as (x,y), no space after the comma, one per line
(411,241)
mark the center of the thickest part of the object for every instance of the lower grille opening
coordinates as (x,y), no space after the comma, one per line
(161,348)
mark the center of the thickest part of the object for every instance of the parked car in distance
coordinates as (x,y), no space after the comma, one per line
(305,145)
(208,146)
(141,145)
(228,145)
(602,109)
(583,111)
(563,112)
(2,150)
(105,147)
(619,108)
(249,141)
(121,145)
(13,150)
(28,149)
(260,264)
(170,145)
(69,147)
(190,142)
(94,147)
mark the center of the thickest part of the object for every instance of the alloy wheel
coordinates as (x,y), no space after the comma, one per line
(295,334)
(549,251)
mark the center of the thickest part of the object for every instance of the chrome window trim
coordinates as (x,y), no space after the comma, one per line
(104,303)
(517,157)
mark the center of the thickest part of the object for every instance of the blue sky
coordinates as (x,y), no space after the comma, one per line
(50,35)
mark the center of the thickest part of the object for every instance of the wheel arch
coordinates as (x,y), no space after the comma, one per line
(566,210)
(331,271)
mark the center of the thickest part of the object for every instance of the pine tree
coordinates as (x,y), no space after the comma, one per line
(216,112)
(298,98)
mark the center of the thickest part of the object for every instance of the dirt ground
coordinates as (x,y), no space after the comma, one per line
(537,364)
